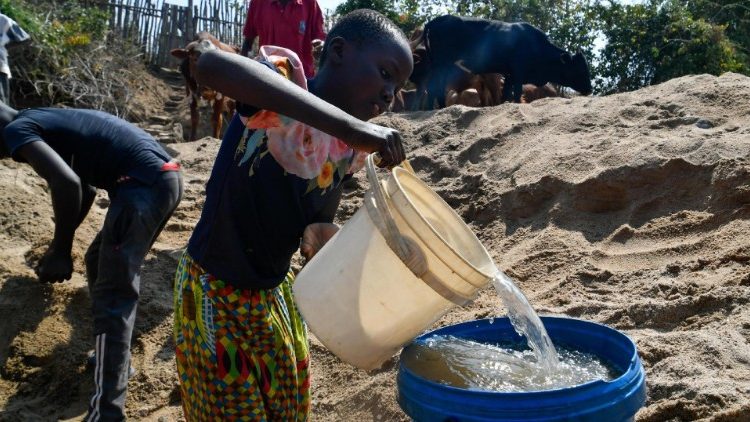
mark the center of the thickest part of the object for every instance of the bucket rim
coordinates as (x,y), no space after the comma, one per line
(625,376)
(400,172)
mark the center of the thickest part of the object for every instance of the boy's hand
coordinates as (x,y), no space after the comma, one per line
(54,267)
(391,151)
(315,236)
(374,138)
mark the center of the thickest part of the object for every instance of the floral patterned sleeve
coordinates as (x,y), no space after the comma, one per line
(322,160)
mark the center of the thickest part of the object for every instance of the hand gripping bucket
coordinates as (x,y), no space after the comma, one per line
(400,263)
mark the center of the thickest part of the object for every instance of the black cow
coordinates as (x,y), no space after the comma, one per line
(520,51)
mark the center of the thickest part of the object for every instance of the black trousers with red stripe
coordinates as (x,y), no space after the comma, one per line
(136,216)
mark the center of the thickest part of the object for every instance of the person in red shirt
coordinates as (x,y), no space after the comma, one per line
(292,24)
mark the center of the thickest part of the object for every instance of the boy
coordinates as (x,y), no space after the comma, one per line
(77,151)
(241,346)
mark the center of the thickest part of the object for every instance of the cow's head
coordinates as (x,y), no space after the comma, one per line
(575,72)
(421,66)
(189,56)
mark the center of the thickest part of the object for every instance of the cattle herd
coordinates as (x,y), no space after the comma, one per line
(457,60)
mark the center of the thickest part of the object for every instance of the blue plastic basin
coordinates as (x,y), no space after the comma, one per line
(597,401)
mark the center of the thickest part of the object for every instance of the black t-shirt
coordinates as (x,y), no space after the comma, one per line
(99,147)
(272,177)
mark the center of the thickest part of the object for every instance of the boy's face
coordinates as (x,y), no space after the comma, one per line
(371,75)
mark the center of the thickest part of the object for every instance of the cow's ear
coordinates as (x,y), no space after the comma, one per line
(565,58)
(180,53)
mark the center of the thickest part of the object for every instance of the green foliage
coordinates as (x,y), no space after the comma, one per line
(407,14)
(694,46)
(625,61)
(653,42)
(733,16)
(59,33)
(61,28)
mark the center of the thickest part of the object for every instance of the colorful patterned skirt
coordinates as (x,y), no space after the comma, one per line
(241,354)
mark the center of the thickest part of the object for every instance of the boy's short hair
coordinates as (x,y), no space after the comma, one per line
(363,26)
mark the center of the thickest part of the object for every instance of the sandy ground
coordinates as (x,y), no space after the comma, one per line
(630,210)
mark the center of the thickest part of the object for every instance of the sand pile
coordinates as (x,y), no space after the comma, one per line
(631,210)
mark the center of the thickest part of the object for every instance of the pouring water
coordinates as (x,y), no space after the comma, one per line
(525,321)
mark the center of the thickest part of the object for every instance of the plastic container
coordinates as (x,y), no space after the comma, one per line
(612,401)
(357,294)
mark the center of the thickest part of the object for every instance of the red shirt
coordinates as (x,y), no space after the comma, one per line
(293,26)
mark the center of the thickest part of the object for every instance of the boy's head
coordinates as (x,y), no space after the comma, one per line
(365,61)
(7,114)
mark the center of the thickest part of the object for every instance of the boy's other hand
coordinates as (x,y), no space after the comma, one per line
(315,236)
(54,267)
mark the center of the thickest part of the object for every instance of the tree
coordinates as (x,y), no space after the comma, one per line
(734,16)
(407,14)
(386,7)
(658,40)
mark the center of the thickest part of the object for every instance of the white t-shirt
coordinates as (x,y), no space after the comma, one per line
(10,32)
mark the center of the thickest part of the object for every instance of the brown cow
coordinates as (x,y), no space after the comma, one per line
(220,102)
(405,100)
(533,92)
(489,87)
(468,97)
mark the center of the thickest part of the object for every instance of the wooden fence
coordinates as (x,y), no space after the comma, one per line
(158,26)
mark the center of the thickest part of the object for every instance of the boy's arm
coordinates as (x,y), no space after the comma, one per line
(248,31)
(254,84)
(247,44)
(88,194)
(320,232)
(67,203)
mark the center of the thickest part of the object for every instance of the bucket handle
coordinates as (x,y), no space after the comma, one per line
(392,236)
(406,249)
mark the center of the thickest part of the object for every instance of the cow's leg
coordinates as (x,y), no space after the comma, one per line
(430,92)
(422,97)
(216,119)
(496,90)
(507,87)
(231,107)
(440,97)
(193,116)
(517,91)
(436,89)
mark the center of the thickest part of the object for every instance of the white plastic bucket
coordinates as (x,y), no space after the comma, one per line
(358,296)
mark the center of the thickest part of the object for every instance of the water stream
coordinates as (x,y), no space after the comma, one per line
(525,321)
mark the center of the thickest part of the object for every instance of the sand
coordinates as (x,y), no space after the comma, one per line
(630,210)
